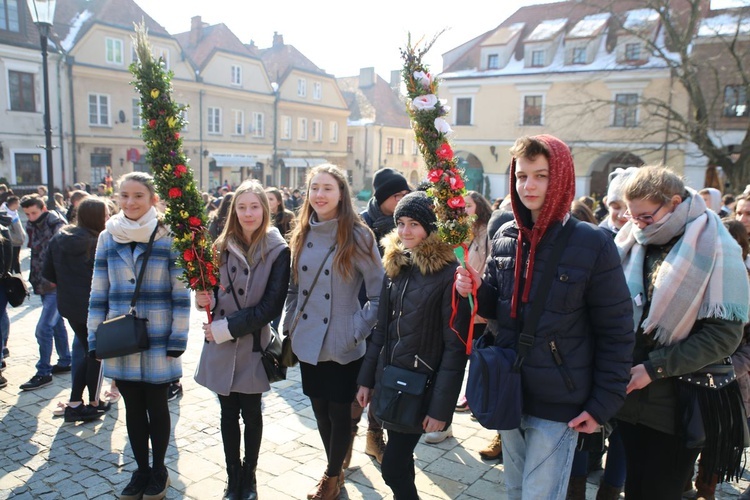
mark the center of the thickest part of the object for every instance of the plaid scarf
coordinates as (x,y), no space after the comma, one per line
(698,277)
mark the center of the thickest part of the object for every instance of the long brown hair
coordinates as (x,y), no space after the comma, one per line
(349,223)
(233,229)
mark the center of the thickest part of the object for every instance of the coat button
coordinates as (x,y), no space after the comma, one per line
(328,296)
(325,321)
(563,277)
(132,280)
(660,370)
(304,292)
(234,269)
(327,272)
(304,316)
(304,268)
(247,271)
(309,244)
(241,291)
(221,312)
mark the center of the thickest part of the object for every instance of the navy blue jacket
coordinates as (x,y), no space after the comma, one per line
(583,346)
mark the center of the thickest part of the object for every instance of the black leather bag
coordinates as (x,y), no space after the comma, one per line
(121,336)
(16,289)
(271,357)
(401,399)
(126,334)
(288,358)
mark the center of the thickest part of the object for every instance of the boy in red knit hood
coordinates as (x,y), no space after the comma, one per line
(578,366)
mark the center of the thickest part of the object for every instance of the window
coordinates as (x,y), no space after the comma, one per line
(537,58)
(493,61)
(99,109)
(21,88)
(136,121)
(236,75)
(214,120)
(532,109)
(114,50)
(9,15)
(632,51)
(735,101)
(239,122)
(162,53)
(317,91)
(317,130)
(389,146)
(286,128)
(579,55)
(414,148)
(99,164)
(349,144)
(334,132)
(463,111)
(302,87)
(401,143)
(626,107)
(259,124)
(28,168)
(302,132)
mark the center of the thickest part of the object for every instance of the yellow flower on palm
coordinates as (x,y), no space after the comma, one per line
(154,93)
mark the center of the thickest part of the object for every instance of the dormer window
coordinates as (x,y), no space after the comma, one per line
(579,55)
(493,61)
(632,51)
(537,58)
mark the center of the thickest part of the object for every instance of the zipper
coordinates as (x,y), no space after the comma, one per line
(418,360)
(398,319)
(559,362)
(711,381)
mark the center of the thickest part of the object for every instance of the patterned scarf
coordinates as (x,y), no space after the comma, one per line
(698,278)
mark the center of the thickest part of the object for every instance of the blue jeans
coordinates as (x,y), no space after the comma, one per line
(538,457)
(49,329)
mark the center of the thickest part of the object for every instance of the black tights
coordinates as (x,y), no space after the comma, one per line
(335,427)
(146,416)
(398,465)
(87,372)
(231,407)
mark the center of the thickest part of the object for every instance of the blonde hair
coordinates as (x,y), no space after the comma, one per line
(233,229)
(653,183)
(349,223)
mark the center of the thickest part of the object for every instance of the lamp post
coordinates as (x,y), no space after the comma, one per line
(43,14)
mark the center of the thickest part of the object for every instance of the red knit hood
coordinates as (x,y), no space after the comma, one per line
(559,196)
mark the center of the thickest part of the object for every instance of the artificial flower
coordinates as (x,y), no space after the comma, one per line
(444,151)
(435,175)
(171,121)
(456,183)
(188,255)
(425,102)
(456,202)
(175,192)
(442,126)
(152,123)
(154,93)
(180,170)
(194,221)
(424,79)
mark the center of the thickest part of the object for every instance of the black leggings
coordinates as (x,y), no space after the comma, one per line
(398,465)
(87,372)
(146,416)
(658,464)
(231,407)
(335,427)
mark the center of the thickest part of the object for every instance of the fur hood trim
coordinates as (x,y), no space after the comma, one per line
(430,256)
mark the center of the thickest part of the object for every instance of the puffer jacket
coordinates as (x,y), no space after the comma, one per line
(416,308)
(40,233)
(583,346)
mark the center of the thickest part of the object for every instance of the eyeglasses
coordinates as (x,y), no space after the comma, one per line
(647,219)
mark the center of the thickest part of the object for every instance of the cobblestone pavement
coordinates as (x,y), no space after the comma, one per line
(45,458)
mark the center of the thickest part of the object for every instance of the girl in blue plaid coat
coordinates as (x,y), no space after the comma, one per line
(143,378)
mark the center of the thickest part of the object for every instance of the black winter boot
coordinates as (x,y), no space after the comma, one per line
(249,487)
(234,479)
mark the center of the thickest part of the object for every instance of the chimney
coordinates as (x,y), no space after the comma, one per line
(196,30)
(252,47)
(395,79)
(366,77)
(278,40)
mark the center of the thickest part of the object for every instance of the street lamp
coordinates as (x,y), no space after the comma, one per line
(43,14)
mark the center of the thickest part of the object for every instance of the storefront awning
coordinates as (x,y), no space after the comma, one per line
(303,162)
(234,160)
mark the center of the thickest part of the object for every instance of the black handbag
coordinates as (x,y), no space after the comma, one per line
(271,356)
(401,399)
(126,334)
(16,289)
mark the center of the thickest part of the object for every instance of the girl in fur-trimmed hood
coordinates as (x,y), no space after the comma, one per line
(413,328)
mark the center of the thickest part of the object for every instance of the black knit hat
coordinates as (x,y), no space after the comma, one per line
(386,182)
(417,206)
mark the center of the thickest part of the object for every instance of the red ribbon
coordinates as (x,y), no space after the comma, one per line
(454,308)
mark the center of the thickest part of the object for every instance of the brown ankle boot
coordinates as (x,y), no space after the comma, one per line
(348,457)
(327,488)
(607,492)
(706,489)
(375,446)
(576,488)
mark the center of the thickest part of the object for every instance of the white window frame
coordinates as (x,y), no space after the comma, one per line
(334,132)
(286,128)
(317,130)
(637,109)
(541,53)
(455,115)
(236,77)
(523,108)
(136,121)
(31,71)
(301,87)
(578,51)
(400,146)
(162,52)
(239,122)
(113,51)
(302,129)
(414,147)
(390,145)
(493,58)
(101,100)
(213,123)
(633,51)
(259,124)
(317,91)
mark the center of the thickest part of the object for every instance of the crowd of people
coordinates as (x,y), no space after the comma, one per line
(650,287)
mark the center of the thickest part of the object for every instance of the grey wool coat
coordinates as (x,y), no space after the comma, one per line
(229,364)
(333,326)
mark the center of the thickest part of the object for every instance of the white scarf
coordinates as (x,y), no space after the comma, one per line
(124,230)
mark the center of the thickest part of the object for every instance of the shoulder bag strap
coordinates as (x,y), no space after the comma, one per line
(146,255)
(231,287)
(309,292)
(526,335)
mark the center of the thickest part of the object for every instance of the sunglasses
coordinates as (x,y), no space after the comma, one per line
(647,219)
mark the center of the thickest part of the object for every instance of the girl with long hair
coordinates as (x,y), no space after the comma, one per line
(282,218)
(333,253)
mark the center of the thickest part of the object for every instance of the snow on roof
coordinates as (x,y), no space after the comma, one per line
(361,122)
(640,19)
(724,25)
(75,27)
(589,26)
(546,30)
(503,35)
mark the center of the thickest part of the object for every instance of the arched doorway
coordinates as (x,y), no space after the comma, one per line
(604,165)
(473,170)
